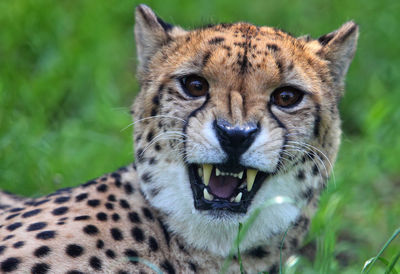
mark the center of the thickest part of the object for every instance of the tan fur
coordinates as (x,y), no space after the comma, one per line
(146,210)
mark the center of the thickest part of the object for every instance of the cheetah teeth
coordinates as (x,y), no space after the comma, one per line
(237,199)
(251,176)
(207,195)
(206,170)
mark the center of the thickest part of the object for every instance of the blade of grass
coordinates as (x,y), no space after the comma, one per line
(392,263)
(370,263)
(147,263)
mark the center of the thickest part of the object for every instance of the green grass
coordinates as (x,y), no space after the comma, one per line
(67,82)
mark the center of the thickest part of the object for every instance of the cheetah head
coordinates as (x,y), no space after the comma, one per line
(232,115)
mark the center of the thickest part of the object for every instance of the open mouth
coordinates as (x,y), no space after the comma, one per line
(220,187)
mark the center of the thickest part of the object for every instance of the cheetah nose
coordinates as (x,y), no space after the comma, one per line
(235,140)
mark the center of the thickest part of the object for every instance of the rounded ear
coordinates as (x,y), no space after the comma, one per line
(339,47)
(151,33)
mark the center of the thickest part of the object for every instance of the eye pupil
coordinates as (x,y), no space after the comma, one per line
(195,85)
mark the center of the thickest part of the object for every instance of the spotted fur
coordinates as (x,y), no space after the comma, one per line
(144,213)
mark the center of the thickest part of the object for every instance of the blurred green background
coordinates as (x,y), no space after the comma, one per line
(67,82)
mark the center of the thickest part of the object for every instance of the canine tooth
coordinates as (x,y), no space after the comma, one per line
(251,176)
(217,172)
(200,171)
(207,169)
(240,175)
(207,195)
(238,197)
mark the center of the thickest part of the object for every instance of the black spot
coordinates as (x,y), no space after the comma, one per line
(273,47)
(315,170)
(2,248)
(156,99)
(91,230)
(101,216)
(16,209)
(279,65)
(8,237)
(93,203)
(110,254)
(152,161)
(193,266)
(146,177)
(36,226)
(38,203)
(116,234)
(147,213)
(14,226)
(89,184)
(81,197)
(137,234)
(301,176)
(99,244)
(60,210)
(132,255)
(111,198)
(154,112)
(31,213)
(115,217)
(206,57)
(317,121)
(109,206)
(10,264)
(134,217)
(157,147)
(258,252)
(124,204)
(150,136)
(128,188)
(62,199)
(102,188)
(41,251)
(153,244)
(74,250)
(95,263)
(294,242)
(45,235)
(274,269)
(82,218)
(12,216)
(40,268)
(216,40)
(168,267)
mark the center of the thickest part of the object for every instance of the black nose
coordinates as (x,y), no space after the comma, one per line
(235,140)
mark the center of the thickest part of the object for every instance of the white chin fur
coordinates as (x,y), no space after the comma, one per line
(217,235)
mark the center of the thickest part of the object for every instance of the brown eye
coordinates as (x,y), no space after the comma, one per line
(195,85)
(286,97)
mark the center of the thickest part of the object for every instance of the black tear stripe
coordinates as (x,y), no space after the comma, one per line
(317,121)
(285,139)
(165,231)
(193,114)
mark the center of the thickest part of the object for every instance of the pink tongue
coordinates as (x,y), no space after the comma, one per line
(223,186)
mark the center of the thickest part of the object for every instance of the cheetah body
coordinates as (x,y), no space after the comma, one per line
(150,215)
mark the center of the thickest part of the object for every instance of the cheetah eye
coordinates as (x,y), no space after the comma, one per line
(194,85)
(286,97)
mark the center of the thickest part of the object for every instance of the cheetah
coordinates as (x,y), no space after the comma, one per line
(232,120)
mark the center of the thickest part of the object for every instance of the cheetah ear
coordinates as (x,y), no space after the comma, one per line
(338,47)
(151,33)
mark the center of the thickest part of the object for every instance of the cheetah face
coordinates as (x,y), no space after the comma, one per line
(232,115)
